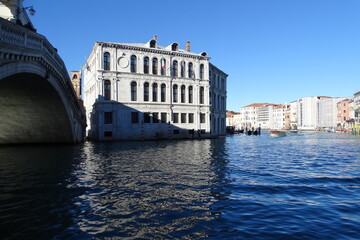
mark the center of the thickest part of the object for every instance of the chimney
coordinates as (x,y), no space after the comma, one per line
(188,46)
(155,37)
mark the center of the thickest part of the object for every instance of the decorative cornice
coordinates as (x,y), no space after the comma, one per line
(152,50)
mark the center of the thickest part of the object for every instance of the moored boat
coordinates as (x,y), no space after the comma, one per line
(277,133)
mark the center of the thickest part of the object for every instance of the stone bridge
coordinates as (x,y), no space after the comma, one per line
(37,101)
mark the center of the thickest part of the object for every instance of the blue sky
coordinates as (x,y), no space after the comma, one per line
(274,51)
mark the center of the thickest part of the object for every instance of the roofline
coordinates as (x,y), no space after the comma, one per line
(154,50)
(212,65)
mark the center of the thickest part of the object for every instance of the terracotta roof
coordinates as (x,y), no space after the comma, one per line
(260,105)
(256,105)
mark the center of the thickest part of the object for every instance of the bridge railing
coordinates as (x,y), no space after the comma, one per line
(18,35)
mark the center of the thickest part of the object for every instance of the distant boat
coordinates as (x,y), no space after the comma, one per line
(277,133)
(294,131)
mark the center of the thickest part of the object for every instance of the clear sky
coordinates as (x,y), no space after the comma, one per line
(274,51)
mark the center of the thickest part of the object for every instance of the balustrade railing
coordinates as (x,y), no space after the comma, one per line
(20,36)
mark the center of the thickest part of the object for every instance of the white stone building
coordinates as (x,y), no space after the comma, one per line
(355,106)
(294,113)
(327,109)
(313,113)
(278,116)
(233,120)
(308,112)
(264,115)
(268,116)
(146,91)
(250,115)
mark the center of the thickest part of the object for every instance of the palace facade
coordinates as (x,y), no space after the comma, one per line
(146,91)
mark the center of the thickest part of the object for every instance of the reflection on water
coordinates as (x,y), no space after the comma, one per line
(302,186)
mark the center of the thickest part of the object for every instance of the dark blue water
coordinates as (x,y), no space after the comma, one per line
(303,186)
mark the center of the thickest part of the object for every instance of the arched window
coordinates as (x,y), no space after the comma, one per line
(146,92)
(154,92)
(133,91)
(182,94)
(133,63)
(190,70)
(201,95)
(201,71)
(146,65)
(155,66)
(174,47)
(75,76)
(175,68)
(107,90)
(163,66)
(190,94)
(106,61)
(163,92)
(182,69)
(153,43)
(175,93)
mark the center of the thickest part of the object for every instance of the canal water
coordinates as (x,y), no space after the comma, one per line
(302,186)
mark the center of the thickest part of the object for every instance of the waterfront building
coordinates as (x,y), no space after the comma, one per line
(145,91)
(308,115)
(287,123)
(278,117)
(343,114)
(250,115)
(355,106)
(266,115)
(233,120)
(328,112)
(294,108)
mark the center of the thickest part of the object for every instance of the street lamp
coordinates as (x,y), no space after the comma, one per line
(31,11)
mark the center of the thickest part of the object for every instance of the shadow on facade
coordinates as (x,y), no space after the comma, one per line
(114,121)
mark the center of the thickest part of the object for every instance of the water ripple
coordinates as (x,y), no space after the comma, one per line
(304,186)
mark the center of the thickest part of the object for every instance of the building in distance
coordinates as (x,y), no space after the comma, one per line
(307,113)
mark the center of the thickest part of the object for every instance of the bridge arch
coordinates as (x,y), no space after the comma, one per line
(38,103)
(33,105)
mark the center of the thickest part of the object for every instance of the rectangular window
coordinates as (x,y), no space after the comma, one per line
(107,117)
(164,117)
(147,117)
(155,117)
(183,118)
(175,117)
(191,118)
(134,117)
(202,117)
